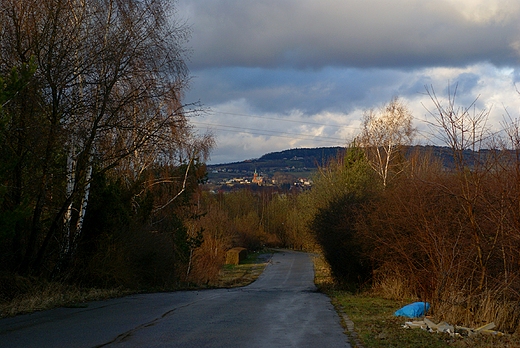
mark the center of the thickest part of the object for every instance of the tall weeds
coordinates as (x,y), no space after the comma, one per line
(448,234)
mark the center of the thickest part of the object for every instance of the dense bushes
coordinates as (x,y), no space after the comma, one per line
(336,233)
(127,242)
(341,188)
(451,237)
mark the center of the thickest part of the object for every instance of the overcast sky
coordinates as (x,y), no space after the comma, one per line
(281,74)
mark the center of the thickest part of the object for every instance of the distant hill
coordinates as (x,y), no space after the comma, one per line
(302,162)
(295,160)
(308,155)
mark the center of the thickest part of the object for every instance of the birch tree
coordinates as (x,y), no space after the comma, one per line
(384,133)
(111,75)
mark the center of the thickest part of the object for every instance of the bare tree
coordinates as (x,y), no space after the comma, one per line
(384,133)
(465,128)
(111,75)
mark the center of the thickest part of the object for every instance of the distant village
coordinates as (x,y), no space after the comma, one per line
(225,179)
(287,171)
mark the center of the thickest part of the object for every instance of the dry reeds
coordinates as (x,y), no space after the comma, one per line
(478,309)
(394,287)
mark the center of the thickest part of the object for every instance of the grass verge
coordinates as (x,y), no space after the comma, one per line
(374,324)
(245,273)
(39,296)
(45,295)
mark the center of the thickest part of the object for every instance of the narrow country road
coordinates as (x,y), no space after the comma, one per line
(280,309)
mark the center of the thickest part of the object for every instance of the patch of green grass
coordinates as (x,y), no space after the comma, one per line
(377,327)
(246,272)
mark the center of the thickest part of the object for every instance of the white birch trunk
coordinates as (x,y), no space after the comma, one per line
(72,156)
(84,202)
(71,180)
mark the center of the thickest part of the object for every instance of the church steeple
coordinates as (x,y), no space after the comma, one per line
(257,179)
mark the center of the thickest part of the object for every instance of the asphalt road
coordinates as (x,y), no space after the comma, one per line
(280,309)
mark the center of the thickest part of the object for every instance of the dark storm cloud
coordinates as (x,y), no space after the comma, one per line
(331,89)
(370,33)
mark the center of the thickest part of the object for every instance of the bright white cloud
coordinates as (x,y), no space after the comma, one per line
(242,135)
(485,11)
(245,132)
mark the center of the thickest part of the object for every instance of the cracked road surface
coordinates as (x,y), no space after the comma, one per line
(280,309)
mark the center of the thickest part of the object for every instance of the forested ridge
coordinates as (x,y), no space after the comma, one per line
(101,177)
(312,158)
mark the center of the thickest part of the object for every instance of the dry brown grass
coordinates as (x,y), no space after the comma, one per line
(40,296)
(372,323)
(478,310)
(322,273)
(245,273)
(393,288)
(51,295)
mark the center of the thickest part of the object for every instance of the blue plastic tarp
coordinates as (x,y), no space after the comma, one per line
(413,310)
